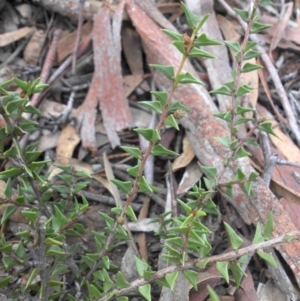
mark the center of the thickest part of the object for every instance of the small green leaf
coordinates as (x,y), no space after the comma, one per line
(172,34)
(134,171)
(248,187)
(21,84)
(244,14)
(241,152)
(248,67)
(144,186)
(250,45)
(171,121)
(51,241)
(242,110)
(251,54)
(266,3)
(257,27)
(185,207)
(28,125)
(159,150)
(55,250)
(212,294)
(133,151)
(267,257)
(258,237)
(202,264)
(171,279)
(222,91)
(179,45)
(129,212)
(32,110)
(269,226)
(243,120)
(33,274)
(125,186)
(146,133)
(244,89)
(202,21)
(141,265)
(4,282)
(109,221)
(30,215)
(204,40)
(210,171)
(10,173)
(8,212)
(253,176)
(188,78)
(94,293)
(266,127)
(176,105)
(155,106)
(234,46)
(237,273)
(122,298)
(121,281)
(196,52)
(192,277)
(168,71)
(145,291)
(235,240)
(191,18)
(222,267)
(162,96)
(224,140)
(8,189)
(13,105)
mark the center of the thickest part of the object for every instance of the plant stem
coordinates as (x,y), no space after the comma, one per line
(228,256)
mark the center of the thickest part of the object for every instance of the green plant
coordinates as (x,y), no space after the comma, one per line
(43,252)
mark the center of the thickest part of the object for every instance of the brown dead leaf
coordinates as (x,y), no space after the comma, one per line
(34,47)
(13,36)
(131,82)
(286,12)
(283,143)
(67,43)
(191,176)
(185,157)
(67,141)
(132,49)
(107,84)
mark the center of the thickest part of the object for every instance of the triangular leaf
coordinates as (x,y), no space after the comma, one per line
(145,291)
(241,152)
(203,40)
(121,281)
(248,67)
(133,151)
(176,105)
(162,96)
(222,267)
(124,186)
(222,91)
(171,121)
(188,78)
(172,34)
(196,52)
(191,18)
(235,240)
(179,45)
(257,27)
(168,71)
(159,150)
(192,277)
(269,226)
(152,105)
(267,257)
(258,237)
